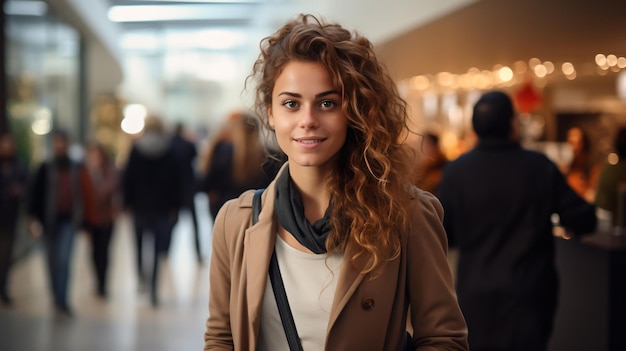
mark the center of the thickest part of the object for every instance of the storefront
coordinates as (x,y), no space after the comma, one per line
(43,76)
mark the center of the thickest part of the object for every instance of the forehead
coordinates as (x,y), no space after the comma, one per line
(303,76)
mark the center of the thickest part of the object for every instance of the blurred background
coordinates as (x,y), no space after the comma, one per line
(98,68)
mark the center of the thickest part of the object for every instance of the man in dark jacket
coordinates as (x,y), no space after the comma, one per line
(186,153)
(151,186)
(499,200)
(55,205)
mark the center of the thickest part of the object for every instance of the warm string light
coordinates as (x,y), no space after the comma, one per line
(503,76)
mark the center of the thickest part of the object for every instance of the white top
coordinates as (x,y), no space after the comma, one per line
(310,281)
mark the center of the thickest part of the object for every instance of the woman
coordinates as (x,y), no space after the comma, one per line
(100,190)
(356,243)
(581,173)
(430,168)
(233,162)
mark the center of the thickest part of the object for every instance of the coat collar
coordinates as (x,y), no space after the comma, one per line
(497,144)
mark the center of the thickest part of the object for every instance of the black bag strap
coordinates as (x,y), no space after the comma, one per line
(256,205)
(278,287)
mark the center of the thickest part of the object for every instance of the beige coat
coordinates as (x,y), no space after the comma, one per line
(366,314)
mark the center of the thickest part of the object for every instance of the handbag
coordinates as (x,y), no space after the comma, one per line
(286,318)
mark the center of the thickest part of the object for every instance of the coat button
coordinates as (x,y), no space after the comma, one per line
(367,303)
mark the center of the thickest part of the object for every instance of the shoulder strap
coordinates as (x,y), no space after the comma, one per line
(256,205)
(289,325)
(278,287)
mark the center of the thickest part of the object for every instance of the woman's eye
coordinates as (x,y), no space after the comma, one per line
(290,104)
(328,104)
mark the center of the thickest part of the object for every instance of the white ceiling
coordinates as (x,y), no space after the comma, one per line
(378,20)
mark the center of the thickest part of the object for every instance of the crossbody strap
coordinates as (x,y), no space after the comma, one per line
(278,287)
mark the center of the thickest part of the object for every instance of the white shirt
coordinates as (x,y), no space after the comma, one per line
(310,281)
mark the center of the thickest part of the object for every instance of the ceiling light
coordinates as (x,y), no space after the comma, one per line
(568,68)
(540,71)
(549,67)
(209,1)
(216,39)
(146,13)
(505,74)
(25,8)
(533,62)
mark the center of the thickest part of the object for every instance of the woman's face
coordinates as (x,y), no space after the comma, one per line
(306,115)
(94,158)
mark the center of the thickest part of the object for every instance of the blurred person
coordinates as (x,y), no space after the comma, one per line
(55,207)
(498,200)
(236,162)
(186,153)
(360,251)
(101,195)
(611,176)
(581,173)
(431,164)
(13,182)
(151,190)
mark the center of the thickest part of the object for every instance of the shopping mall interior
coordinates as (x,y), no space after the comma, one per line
(99,67)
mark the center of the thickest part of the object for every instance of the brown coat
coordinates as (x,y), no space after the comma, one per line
(367,314)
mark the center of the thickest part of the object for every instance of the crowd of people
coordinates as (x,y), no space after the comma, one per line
(67,195)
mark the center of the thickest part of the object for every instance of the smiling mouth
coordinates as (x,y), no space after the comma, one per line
(309,141)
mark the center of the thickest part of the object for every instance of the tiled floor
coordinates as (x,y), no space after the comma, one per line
(124,322)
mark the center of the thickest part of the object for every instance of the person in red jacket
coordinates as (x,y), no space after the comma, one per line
(101,193)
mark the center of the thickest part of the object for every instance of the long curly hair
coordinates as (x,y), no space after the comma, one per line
(370,194)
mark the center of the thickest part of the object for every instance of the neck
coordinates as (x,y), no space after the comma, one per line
(311,184)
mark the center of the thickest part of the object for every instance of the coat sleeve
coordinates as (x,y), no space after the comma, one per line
(436,317)
(218,334)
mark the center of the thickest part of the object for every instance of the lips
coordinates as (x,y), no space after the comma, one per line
(309,140)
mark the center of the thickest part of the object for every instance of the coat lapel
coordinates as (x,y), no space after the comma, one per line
(349,279)
(259,245)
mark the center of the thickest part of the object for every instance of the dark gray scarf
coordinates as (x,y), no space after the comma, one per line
(290,213)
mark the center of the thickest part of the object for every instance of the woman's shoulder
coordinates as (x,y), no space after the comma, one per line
(425,215)
(425,201)
(235,206)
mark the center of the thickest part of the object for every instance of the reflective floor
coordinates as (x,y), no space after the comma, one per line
(126,321)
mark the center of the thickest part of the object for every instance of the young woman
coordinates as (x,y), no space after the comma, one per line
(233,162)
(360,251)
(100,182)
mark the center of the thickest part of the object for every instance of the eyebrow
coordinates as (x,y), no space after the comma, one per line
(317,96)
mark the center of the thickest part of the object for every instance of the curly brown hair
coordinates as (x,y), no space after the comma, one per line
(370,194)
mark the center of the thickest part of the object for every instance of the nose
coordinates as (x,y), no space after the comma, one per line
(308,118)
